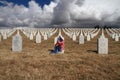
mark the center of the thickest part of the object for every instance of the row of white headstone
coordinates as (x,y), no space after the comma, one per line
(29,32)
(114,34)
(82,33)
(102,41)
(17,39)
(6,33)
(38,33)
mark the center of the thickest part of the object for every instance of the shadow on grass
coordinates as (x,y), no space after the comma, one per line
(95,51)
(51,50)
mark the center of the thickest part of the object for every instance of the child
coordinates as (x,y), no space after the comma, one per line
(59,46)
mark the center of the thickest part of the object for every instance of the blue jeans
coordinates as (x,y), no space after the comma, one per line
(56,49)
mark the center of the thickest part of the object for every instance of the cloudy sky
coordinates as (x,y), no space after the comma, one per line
(43,13)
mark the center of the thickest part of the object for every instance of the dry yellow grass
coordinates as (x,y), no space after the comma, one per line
(80,62)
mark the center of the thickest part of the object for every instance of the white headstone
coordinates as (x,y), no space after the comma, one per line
(0,38)
(119,35)
(116,37)
(113,36)
(81,38)
(45,36)
(17,42)
(92,36)
(88,37)
(31,36)
(74,37)
(5,36)
(55,40)
(34,33)
(85,34)
(59,32)
(103,44)
(38,38)
(49,35)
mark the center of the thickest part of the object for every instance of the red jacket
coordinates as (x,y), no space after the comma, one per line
(61,44)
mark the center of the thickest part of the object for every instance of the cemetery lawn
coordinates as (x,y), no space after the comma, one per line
(79,62)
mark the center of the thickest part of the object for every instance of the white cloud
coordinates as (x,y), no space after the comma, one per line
(59,12)
(21,15)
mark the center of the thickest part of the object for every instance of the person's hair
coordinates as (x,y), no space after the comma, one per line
(60,39)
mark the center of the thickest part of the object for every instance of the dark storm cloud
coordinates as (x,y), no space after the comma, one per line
(61,13)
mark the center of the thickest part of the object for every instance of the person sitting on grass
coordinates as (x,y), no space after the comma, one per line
(59,46)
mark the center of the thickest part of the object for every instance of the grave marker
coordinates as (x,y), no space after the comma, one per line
(38,38)
(74,37)
(102,44)
(81,38)
(31,36)
(88,37)
(17,42)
